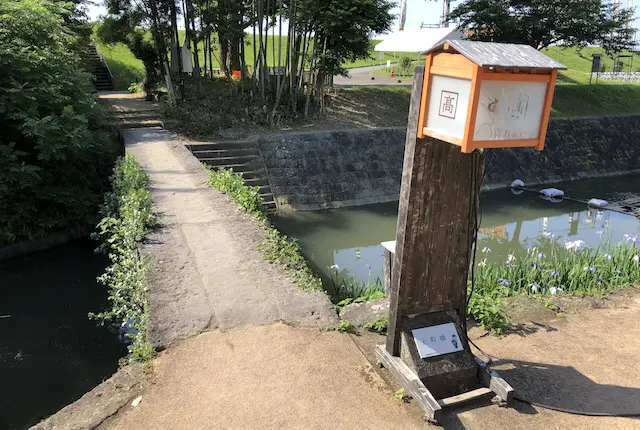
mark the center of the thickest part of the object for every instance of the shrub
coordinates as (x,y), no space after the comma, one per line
(53,161)
(346,327)
(344,288)
(228,182)
(378,326)
(404,63)
(128,218)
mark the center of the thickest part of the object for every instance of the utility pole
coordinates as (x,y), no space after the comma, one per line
(403,15)
(446,10)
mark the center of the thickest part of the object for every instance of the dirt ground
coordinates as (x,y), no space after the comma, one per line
(585,359)
(251,371)
(282,377)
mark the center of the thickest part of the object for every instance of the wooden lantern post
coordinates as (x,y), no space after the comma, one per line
(468,97)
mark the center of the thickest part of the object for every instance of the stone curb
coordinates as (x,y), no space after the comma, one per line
(23,248)
(99,404)
(360,314)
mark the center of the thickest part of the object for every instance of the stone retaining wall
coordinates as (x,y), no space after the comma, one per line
(319,170)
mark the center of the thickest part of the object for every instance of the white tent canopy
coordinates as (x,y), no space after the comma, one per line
(416,40)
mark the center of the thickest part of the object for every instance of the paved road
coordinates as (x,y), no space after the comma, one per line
(362,76)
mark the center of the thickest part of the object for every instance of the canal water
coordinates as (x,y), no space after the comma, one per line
(350,238)
(50,352)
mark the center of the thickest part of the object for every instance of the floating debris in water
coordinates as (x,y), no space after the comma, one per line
(598,203)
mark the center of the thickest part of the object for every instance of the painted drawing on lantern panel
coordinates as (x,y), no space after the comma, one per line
(509,110)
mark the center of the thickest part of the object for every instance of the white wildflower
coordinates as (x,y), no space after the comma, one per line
(577,245)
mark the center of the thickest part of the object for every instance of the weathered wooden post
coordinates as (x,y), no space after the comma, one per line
(469,96)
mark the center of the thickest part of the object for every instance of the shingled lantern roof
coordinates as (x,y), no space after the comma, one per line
(507,55)
(481,95)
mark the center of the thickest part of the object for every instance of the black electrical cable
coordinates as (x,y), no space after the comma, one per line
(575,412)
(558,408)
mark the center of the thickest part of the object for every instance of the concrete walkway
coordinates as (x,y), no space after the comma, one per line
(207,269)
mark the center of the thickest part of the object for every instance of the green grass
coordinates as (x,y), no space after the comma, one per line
(374,58)
(579,63)
(124,66)
(572,97)
(596,100)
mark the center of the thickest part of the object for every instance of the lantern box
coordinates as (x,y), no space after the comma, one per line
(487,95)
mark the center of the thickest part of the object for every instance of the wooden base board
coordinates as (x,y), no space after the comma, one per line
(433,408)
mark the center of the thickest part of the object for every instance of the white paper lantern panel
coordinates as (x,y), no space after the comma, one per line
(448,105)
(509,110)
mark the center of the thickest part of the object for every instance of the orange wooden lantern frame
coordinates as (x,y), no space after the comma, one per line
(451,64)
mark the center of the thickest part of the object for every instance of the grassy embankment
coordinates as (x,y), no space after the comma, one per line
(126,68)
(573,98)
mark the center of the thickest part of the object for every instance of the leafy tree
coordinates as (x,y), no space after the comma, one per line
(52,162)
(540,23)
(139,43)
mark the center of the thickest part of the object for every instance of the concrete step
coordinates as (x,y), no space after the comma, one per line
(228,161)
(269,206)
(215,153)
(263,190)
(138,124)
(138,112)
(141,117)
(267,197)
(232,144)
(240,168)
(253,174)
(257,182)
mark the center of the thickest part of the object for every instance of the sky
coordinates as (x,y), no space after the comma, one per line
(418,11)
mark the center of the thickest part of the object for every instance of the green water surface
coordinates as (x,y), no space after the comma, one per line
(350,238)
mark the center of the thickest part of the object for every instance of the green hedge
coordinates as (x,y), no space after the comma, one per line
(54,161)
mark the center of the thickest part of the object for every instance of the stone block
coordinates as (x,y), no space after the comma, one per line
(444,375)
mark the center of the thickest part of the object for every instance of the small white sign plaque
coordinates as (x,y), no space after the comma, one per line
(437,340)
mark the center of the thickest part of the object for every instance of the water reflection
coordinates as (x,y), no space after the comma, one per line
(350,238)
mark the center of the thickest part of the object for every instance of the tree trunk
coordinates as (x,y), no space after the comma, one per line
(293,65)
(161,50)
(312,74)
(278,79)
(260,43)
(194,41)
(175,39)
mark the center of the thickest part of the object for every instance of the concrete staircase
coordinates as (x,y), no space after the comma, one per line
(97,66)
(242,157)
